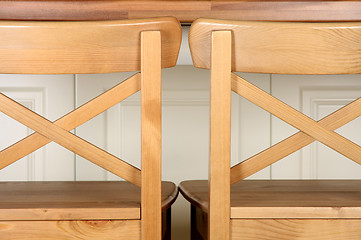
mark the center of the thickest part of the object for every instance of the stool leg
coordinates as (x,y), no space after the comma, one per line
(167,224)
(199,224)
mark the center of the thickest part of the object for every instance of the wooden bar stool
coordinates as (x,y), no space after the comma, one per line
(273,210)
(89,210)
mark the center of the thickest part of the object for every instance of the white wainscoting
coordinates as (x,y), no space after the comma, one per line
(316,96)
(52,97)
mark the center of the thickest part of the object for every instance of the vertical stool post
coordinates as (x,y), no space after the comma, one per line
(220,148)
(151,135)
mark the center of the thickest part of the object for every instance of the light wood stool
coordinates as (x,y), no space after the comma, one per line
(273,210)
(89,210)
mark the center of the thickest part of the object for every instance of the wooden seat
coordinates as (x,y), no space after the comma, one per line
(102,210)
(283,209)
(89,210)
(273,210)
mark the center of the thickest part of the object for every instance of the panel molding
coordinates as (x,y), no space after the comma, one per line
(34,99)
(313,99)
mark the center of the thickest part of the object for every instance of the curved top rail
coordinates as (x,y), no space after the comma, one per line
(51,47)
(280,47)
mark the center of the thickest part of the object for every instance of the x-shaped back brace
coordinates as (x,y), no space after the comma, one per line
(310,130)
(58,131)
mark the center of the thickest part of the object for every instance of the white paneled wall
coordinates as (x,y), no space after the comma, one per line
(52,97)
(185,126)
(316,96)
(103,130)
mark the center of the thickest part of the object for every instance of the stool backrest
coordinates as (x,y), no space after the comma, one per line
(50,47)
(282,47)
(82,47)
(224,46)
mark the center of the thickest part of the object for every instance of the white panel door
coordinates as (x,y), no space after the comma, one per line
(316,96)
(51,96)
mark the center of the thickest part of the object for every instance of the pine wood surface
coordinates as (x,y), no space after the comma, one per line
(220,137)
(60,230)
(75,200)
(151,135)
(285,48)
(42,47)
(285,229)
(184,10)
(284,198)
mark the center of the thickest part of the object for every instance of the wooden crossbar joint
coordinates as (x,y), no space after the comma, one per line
(58,131)
(321,131)
(151,135)
(220,137)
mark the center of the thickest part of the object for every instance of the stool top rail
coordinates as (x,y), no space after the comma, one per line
(50,47)
(280,47)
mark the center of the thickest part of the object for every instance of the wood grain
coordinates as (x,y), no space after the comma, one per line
(72,120)
(285,229)
(220,137)
(284,198)
(82,47)
(151,135)
(60,230)
(185,10)
(286,48)
(75,200)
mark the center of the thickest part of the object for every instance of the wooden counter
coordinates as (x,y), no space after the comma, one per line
(184,10)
